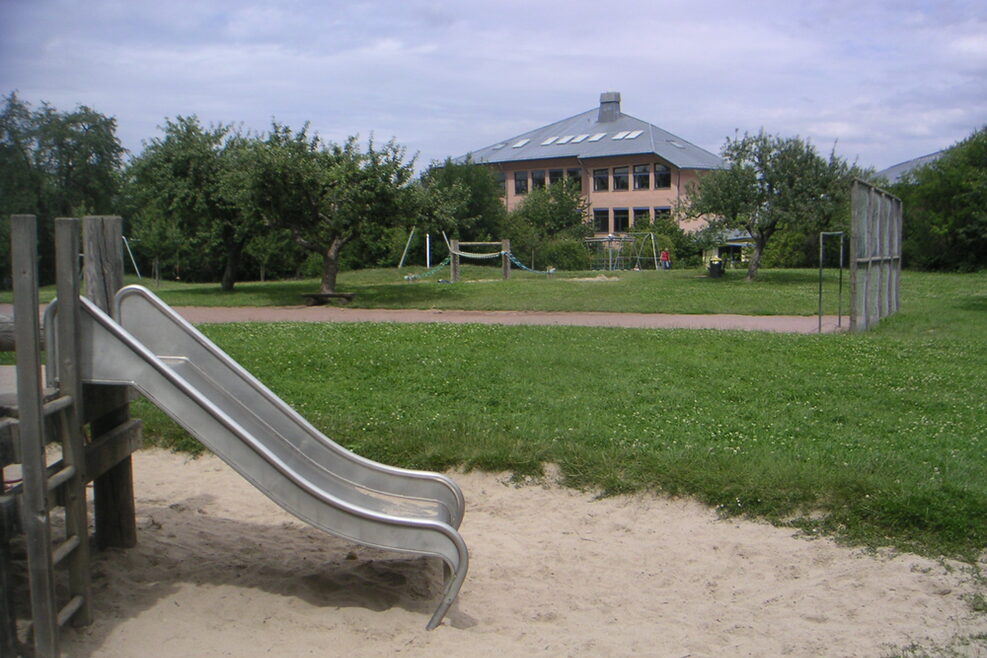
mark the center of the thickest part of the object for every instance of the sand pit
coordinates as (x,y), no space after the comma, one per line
(220,570)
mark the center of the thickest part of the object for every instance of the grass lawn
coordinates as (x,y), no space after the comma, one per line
(879,438)
(777,292)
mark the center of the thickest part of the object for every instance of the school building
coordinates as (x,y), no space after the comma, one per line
(628,169)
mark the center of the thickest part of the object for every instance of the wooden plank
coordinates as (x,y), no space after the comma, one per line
(34,500)
(113,492)
(110,449)
(73,437)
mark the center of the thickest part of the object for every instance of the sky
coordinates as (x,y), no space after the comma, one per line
(879,81)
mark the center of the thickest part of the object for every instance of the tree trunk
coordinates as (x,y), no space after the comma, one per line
(755,261)
(230,269)
(330,266)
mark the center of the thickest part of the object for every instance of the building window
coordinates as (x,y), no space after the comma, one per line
(601,220)
(537,179)
(663,213)
(642,217)
(501,179)
(621,220)
(620,181)
(575,177)
(601,180)
(663,177)
(554,176)
(520,182)
(642,177)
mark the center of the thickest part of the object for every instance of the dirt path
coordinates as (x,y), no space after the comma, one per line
(776,323)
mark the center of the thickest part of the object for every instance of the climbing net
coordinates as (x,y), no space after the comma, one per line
(455,253)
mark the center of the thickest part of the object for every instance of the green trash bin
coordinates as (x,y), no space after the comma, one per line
(716,267)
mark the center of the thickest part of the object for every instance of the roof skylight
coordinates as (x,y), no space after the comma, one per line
(550,140)
(564,139)
(579,138)
(634,134)
(597,137)
(676,144)
(521,143)
(622,134)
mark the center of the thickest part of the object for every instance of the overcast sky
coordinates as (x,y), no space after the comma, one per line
(886,81)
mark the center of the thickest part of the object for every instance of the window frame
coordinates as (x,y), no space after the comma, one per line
(521,186)
(642,174)
(601,180)
(621,178)
(597,214)
(625,214)
(537,179)
(666,176)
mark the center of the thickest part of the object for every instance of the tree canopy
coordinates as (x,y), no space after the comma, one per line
(772,184)
(328,194)
(187,190)
(945,207)
(54,164)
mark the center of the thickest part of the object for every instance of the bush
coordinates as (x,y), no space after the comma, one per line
(566,255)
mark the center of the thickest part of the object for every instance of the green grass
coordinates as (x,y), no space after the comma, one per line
(777,292)
(878,439)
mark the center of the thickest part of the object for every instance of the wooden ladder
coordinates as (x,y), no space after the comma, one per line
(41,422)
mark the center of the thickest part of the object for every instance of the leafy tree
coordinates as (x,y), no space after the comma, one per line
(476,192)
(193,178)
(772,184)
(546,218)
(945,206)
(56,164)
(328,195)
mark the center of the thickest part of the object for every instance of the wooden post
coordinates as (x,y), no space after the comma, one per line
(34,503)
(454,244)
(69,383)
(114,515)
(505,249)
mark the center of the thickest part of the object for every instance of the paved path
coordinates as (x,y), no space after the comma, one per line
(777,323)
(798,324)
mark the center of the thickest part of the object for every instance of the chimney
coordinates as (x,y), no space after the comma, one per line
(609,106)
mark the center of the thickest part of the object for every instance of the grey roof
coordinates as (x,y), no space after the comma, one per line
(577,133)
(895,172)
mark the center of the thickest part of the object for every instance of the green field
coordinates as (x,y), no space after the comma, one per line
(879,439)
(777,292)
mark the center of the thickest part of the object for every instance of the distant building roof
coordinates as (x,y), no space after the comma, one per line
(597,133)
(895,172)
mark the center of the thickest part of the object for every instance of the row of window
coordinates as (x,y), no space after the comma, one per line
(538,178)
(621,177)
(619,221)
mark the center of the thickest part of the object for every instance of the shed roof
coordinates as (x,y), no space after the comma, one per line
(598,133)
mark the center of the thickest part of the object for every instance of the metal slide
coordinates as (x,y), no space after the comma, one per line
(175,366)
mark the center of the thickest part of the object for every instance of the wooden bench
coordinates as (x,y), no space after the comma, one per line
(320,298)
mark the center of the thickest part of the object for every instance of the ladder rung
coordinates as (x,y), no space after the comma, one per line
(60,477)
(64,549)
(70,609)
(58,404)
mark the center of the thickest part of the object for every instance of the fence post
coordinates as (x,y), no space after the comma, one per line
(454,245)
(113,492)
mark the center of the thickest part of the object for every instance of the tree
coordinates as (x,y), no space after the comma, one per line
(329,194)
(478,192)
(194,178)
(945,206)
(772,184)
(54,163)
(559,209)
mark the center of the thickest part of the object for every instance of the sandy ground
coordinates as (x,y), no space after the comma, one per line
(222,571)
